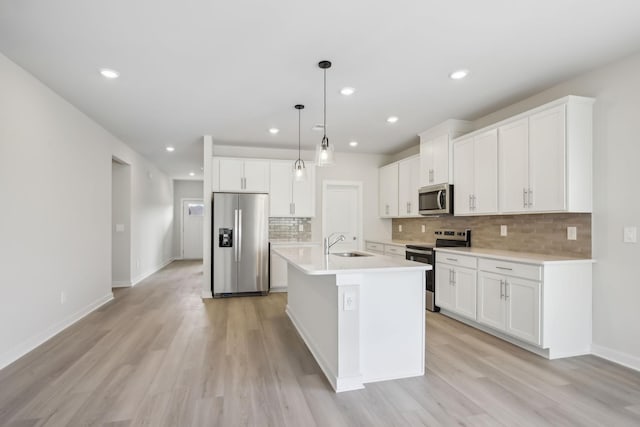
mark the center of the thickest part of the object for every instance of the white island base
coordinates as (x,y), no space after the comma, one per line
(361,326)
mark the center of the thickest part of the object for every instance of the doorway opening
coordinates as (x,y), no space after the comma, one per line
(120,223)
(342,213)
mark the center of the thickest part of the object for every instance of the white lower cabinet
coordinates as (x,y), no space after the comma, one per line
(456,289)
(510,304)
(543,306)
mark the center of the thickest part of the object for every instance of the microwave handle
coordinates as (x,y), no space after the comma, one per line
(439,198)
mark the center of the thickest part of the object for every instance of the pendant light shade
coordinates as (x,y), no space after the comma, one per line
(299,168)
(324,151)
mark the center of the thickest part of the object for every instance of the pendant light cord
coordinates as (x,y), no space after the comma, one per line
(324,127)
(299,114)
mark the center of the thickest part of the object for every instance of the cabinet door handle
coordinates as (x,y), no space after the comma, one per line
(453,276)
(473,199)
(501,289)
(408,207)
(525,199)
(430,176)
(506,290)
(294,207)
(470,205)
(450,277)
(386,209)
(530,199)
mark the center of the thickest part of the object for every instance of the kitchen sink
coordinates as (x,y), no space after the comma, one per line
(350,254)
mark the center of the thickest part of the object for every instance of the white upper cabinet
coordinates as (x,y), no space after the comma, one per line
(388,190)
(290,198)
(476,174)
(435,152)
(408,186)
(241,175)
(546,159)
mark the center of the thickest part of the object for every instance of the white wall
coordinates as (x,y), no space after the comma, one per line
(182,190)
(120,215)
(55,218)
(151,213)
(616,295)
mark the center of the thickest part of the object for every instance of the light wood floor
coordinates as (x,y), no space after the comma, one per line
(157,355)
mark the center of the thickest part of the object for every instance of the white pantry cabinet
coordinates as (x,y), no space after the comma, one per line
(475,168)
(435,152)
(240,175)
(456,284)
(388,190)
(541,303)
(408,186)
(288,197)
(545,158)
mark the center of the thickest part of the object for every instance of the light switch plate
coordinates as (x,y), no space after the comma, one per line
(572,233)
(400,228)
(630,235)
(300,227)
(503,230)
(424,228)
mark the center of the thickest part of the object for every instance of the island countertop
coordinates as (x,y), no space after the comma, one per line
(312,261)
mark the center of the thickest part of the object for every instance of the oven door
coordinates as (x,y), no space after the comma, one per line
(436,200)
(426,257)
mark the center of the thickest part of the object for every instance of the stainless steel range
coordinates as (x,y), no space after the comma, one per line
(424,254)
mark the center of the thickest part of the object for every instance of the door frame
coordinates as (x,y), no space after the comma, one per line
(354,184)
(182,200)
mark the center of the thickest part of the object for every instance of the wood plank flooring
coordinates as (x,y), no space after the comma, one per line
(159,356)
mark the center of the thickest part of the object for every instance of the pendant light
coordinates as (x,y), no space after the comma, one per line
(299,168)
(324,151)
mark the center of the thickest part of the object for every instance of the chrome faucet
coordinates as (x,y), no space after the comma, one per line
(328,244)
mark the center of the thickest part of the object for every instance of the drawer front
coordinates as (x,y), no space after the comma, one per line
(375,247)
(394,250)
(455,259)
(526,271)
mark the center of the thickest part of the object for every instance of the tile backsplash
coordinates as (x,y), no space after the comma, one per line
(538,233)
(288,229)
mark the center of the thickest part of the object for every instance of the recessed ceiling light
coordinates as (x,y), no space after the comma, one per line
(318,127)
(353,143)
(192,174)
(109,74)
(347,91)
(170,149)
(459,74)
(274,131)
(392,119)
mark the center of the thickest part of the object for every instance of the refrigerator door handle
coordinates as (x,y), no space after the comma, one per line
(235,235)
(239,235)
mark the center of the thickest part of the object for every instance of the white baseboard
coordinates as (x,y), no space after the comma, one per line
(149,272)
(121,284)
(25,347)
(206,294)
(624,359)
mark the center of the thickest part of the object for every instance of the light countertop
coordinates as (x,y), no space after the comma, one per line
(523,257)
(400,242)
(280,243)
(311,260)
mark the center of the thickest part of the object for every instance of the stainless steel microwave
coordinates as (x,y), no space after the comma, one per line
(436,200)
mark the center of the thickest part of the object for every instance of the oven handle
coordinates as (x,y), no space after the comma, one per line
(417,251)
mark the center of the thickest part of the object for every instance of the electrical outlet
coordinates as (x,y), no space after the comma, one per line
(572,233)
(424,229)
(400,228)
(503,230)
(630,235)
(63,297)
(349,301)
(301,227)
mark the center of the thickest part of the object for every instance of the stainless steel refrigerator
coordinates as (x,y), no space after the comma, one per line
(240,244)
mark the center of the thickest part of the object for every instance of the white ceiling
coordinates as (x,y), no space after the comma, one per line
(233,69)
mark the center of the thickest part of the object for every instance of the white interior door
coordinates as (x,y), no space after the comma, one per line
(342,214)
(192,234)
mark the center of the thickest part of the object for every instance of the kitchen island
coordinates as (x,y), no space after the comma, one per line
(362,317)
